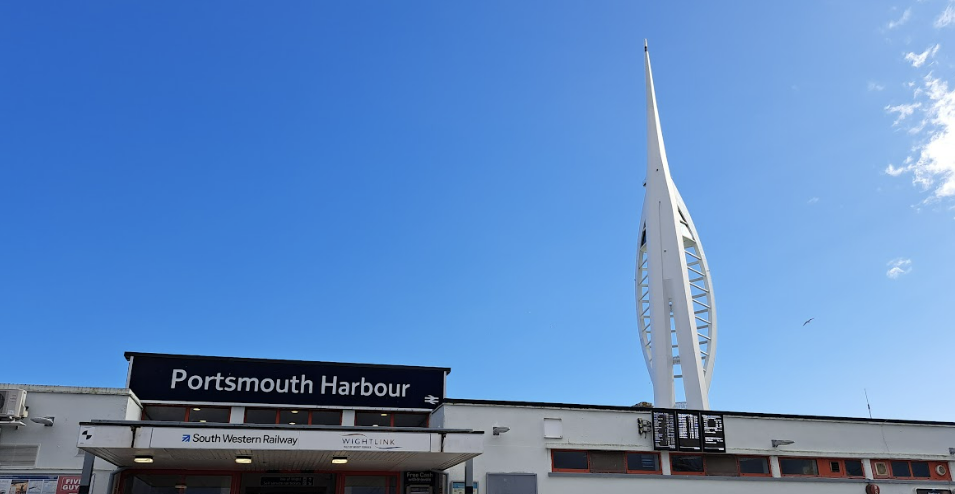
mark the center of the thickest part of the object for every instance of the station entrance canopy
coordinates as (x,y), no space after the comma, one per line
(216,446)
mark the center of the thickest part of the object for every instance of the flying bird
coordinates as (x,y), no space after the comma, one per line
(808,321)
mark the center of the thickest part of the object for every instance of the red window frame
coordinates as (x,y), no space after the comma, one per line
(190,408)
(658,471)
(553,468)
(310,412)
(824,466)
(781,474)
(932,470)
(391,417)
(769,468)
(187,410)
(278,414)
(702,461)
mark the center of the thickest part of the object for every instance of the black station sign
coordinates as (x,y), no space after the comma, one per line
(177,378)
(688,430)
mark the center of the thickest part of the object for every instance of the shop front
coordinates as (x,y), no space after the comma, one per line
(213,425)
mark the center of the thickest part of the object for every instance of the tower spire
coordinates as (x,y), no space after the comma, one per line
(676,310)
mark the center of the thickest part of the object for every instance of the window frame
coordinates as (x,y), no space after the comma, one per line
(702,464)
(278,415)
(621,454)
(554,468)
(815,459)
(769,466)
(391,418)
(658,471)
(188,410)
(142,412)
(932,466)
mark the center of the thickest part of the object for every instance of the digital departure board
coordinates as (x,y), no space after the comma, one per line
(687,430)
(714,437)
(664,430)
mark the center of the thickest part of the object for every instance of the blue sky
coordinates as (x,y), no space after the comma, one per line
(458,184)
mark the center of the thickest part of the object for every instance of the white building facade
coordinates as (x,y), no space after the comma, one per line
(216,445)
(40,456)
(560,448)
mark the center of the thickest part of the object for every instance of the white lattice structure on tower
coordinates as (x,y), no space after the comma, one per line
(676,311)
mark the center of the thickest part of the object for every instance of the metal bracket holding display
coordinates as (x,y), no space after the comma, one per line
(644,427)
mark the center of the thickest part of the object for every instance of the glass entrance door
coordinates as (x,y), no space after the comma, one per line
(371,484)
(288,483)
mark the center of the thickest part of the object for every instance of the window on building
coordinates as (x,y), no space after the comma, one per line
(908,469)
(410,420)
(170,484)
(643,462)
(834,467)
(164,413)
(854,468)
(326,417)
(260,416)
(921,470)
(798,466)
(383,419)
(721,465)
(570,461)
(686,464)
(605,462)
(209,414)
(901,469)
(608,462)
(167,413)
(373,419)
(754,465)
(292,416)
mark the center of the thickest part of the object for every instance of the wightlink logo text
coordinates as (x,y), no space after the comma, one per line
(360,441)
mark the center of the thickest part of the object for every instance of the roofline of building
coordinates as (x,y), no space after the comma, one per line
(87,390)
(447,370)
(617,408)
(212,425)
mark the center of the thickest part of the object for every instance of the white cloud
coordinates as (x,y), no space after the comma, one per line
(902,110)
(929,117)
(898,267)
(918,60)
(895,171)
(901,20)
(875,86)
(812,200)
(947,17)
(934,165)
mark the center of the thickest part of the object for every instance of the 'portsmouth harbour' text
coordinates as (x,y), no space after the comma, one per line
(294,385)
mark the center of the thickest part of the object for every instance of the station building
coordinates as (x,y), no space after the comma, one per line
(214,425)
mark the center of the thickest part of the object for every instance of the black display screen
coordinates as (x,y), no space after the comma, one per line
(688,430)
(664,430)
